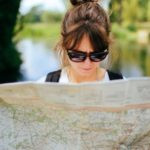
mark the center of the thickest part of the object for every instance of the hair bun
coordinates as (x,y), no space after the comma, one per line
(77,2)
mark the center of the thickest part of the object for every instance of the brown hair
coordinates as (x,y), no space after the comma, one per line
(85,17)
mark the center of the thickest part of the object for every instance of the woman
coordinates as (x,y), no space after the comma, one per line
(84,44)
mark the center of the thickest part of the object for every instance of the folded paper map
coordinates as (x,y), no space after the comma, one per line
(91,116)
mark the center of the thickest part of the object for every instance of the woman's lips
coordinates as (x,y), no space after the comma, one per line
(86,69)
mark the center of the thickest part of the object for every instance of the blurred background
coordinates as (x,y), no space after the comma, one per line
(29,30)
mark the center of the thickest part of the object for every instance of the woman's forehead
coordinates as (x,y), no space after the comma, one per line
(84,44)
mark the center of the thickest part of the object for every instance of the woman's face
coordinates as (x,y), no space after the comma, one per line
(87,67)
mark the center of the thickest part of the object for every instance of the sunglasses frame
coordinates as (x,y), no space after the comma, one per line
(83,55)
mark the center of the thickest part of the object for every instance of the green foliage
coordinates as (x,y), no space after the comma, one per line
(128,16)
(9,57)
(143,10)
(116,10)
(129,11)
(119,32)
(123,33)
(48,17)
(142,57)
(131,27)
(34,15)
(42,31)
(148,11)
(37,15)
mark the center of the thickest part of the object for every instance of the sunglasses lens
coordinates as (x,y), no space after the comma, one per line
(96,57)
(76,56)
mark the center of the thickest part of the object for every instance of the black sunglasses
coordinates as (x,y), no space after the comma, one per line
(79,56)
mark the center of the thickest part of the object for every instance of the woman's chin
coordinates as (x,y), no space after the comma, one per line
(86,72)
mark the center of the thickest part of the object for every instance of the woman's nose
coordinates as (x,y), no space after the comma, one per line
(87,61)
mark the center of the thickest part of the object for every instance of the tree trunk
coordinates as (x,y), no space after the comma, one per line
(10,60)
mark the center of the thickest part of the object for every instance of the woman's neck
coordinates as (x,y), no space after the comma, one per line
(77,78)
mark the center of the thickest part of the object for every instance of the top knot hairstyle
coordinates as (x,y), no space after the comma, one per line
(78,2)
(86,17)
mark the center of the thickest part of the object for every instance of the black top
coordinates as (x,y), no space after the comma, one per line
(54,76)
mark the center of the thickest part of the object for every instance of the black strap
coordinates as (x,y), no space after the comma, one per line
(54,76)
(114,76)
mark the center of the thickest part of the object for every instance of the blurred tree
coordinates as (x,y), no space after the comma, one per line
(143,10)
(9,57)
(37,14)
(48,17)
(130,11)
(116,11)
(142,59)
(34,15)
(148,11)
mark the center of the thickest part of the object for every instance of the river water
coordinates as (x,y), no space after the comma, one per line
(39,59)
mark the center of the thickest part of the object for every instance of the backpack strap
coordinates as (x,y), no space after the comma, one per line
(114,76)
(53,76)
